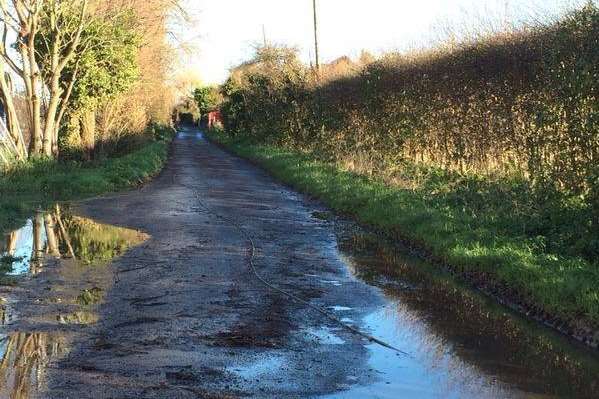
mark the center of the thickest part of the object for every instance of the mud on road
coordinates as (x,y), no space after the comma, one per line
(180,314)
(186,318)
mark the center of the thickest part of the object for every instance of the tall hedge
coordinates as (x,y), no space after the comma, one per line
(524,103)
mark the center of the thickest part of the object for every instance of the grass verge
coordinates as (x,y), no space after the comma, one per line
(480,244)
(38,184)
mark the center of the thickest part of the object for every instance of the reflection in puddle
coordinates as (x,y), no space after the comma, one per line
(59,251)
(332,282)
(25,358)
(80,317)
(433,372)
(58,234)
(91,296)
(324,336)
(6,316)
(340,308)
(463,344)
(262,366)
(23,247)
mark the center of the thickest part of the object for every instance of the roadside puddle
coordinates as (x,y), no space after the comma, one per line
(260,368)
(323,336)
(461,344)
(25,359)
(53,280)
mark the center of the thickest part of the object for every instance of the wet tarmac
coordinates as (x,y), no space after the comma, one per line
(150,294)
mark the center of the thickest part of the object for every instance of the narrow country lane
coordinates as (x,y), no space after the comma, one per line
(192,319)
(184,316)
(192,207)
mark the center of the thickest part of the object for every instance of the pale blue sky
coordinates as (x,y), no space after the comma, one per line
(225,30)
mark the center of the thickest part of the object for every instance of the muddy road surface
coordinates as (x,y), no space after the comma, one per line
(152,294)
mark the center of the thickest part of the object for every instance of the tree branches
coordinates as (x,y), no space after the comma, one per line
(47,34)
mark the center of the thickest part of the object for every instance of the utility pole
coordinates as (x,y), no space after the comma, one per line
(506,17)
(264,35)
(316,36)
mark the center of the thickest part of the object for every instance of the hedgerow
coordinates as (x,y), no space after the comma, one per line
(508,125)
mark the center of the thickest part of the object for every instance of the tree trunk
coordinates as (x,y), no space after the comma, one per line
(52,112)
(88,131)
(32,74)
(48,136)
(51,127)
(55,148)
(12,122)
(35,127)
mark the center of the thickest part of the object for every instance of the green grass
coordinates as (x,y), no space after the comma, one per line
(542,247)
(38,184)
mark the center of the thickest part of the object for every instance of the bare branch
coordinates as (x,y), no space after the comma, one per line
(64,103)
(75,41)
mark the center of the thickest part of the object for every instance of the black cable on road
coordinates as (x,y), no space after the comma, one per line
(252,253)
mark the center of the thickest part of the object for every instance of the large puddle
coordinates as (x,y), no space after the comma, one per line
(56,261)
(461,344)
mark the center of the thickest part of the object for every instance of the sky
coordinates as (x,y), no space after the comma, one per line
(224,32)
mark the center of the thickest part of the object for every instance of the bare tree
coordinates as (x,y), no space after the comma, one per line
(13,129)
(48,34)
(44,41)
